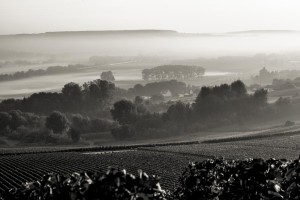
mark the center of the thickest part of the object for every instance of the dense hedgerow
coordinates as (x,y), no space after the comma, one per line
(212,179)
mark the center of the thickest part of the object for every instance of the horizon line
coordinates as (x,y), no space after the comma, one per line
(155,30)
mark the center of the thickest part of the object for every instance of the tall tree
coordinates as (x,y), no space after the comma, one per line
(238,88)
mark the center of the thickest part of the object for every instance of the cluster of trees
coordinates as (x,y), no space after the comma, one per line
(266,77)
(41,72)
(92,97)
(214,106)
(154,88)
(229,102)
(9,63)
(281,84)
(169,72)
(14,119)
(29,128)
(107,76)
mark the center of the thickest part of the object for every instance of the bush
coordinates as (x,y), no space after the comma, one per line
(111,185)
(236,179)
(80,123)
(36,136)
(17,119)
(122,132)
(100,125)
(57,122)
(289,123)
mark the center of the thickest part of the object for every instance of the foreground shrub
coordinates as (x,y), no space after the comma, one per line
(235,179)
(111,185)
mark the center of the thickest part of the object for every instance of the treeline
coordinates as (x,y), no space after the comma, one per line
(41,72)
(281,84)
(266,77)
(154,88)
(55,128)
(214,106)
(91,98)
(169,72)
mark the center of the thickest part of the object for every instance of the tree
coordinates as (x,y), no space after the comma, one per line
(238,89)
(157,98)
(169,72)
(17,119)
(107,76)
(138,100)
(178,113)
(99,92)
(124,112)
(57,122)
(71,91)
(100,125)
(260,97)
(80,123)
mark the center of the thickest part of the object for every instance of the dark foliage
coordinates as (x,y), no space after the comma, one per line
(5,120)
(41,72)
(111,185)
(169,72)
(236,179)
(124,112)
(122,132)
(57,122)
(155,88)
(211,179)
(92,97)
(74,134)
(228,103)
(107,76)
(100,125)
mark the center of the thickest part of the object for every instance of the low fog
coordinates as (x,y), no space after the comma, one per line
(167,43)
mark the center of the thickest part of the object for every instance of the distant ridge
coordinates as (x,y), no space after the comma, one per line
(147,32)
(104,32)
(263,31)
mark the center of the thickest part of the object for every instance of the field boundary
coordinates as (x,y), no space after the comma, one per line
(250,137)
(178,153)
(102,148)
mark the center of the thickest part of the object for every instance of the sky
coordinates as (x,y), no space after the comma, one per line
(193,16)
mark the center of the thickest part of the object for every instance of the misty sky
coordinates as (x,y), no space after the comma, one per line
(34,16)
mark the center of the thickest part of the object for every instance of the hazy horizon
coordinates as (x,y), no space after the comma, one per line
(193,16)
